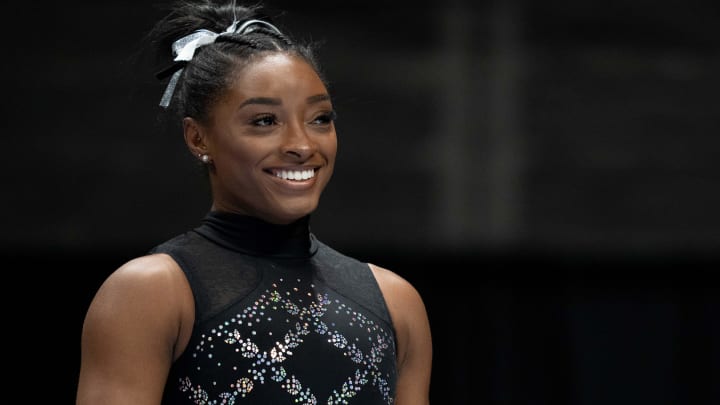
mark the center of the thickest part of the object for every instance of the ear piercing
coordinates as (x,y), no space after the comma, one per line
(204,157)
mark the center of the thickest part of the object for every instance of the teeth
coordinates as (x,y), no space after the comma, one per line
(295,174)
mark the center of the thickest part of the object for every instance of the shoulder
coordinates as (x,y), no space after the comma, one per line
(140,315)
(403,300)
(413,337)
(146,293)
(142,275)
(394,286)
(144,281)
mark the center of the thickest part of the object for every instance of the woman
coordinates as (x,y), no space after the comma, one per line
(249,307)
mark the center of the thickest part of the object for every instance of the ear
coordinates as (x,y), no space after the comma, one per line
(194,137)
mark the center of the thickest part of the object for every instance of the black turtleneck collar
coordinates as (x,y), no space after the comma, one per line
(256,237)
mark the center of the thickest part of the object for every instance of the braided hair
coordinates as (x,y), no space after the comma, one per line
(212,68)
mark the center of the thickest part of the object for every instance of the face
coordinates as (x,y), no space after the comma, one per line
(271,139)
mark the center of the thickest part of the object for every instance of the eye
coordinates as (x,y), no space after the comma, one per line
(325,118)
(264,120)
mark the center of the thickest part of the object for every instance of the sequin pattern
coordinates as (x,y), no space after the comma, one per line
(291,310)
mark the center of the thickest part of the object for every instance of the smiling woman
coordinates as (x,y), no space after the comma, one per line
(249,306)
(270,139)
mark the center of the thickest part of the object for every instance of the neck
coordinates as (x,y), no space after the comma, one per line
(257,237)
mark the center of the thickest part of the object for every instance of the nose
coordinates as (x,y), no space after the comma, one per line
(296,143)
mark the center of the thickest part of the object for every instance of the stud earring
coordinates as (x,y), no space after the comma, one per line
(205,158)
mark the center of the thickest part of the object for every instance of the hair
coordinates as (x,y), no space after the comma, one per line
(212,69)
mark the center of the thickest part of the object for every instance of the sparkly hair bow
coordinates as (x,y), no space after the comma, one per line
(184,49)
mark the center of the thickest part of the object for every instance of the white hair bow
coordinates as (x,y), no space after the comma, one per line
(185,47)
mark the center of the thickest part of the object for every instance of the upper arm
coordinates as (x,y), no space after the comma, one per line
(412,329)
(131,332)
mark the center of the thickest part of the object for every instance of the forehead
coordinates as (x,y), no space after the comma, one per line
(276,74)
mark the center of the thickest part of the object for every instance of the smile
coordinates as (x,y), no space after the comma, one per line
(297,175)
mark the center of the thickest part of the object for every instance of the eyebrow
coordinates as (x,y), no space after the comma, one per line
(262,101)
(276,101)
(318,98)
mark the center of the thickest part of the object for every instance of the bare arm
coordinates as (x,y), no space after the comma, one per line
(413,336)
(137,324)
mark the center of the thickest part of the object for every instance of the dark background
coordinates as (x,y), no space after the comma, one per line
(544,173)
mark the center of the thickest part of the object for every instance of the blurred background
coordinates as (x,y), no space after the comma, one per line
(544,173)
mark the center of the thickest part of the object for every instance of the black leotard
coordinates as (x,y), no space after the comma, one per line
(280,318)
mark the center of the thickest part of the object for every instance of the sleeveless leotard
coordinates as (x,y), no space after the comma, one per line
(280,318)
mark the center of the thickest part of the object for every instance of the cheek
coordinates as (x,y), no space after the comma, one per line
(329,148)
(245,153)
(235,163)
